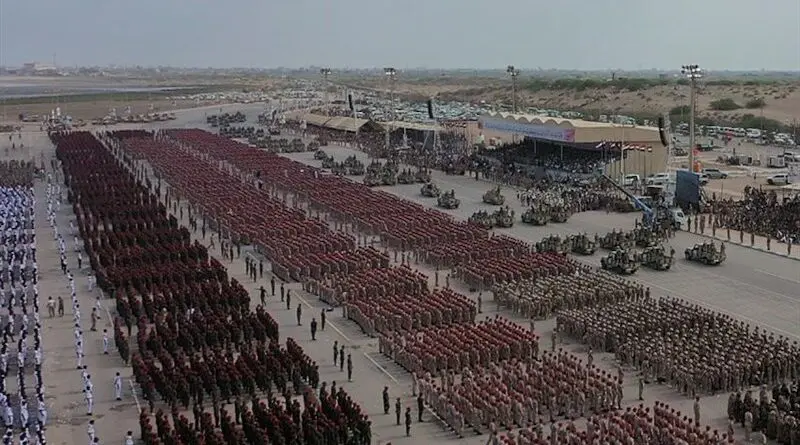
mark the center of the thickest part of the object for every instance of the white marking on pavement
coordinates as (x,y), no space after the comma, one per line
(135,398)
(381,368)
(327,322)
(776,276)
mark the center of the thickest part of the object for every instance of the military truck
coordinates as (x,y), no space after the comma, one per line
(582,244)
(645,237)
(706,253)
(483,219)
(339,169)
(621,261)
(430,190)
(448,200)
(328,162)
(494,197)
(536,215)
(616,240)
(656,258)
(503,217)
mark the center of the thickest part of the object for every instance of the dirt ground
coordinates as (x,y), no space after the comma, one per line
(88,110)
(782,99)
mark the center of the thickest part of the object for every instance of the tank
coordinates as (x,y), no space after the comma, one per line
(483,219)
(503,217)
(406,177)
(448,200)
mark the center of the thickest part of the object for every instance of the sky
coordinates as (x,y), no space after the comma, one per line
(530,34)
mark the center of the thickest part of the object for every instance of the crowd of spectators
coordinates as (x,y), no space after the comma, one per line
(761,212)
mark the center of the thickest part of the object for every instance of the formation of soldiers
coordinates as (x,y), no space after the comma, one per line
(447,255)
(695,350)
(659,424)
(409,228)
(773,411)
(18,294)
(542,297)
(199,345)
(521,393)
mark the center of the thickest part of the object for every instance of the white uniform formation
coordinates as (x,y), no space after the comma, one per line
(18,290)
(53,205)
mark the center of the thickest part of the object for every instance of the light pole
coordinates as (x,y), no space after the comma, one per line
(325,72)
(514,73)
(391,75)
(692,72)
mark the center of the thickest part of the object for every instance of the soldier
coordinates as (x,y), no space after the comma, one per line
(386,401)
(313,329)
(398,410)
(349,368)
(697,410)
(283,290)
(420,406)
(299,313)
(272,286)
(335,352)
(341,358)
(553,340)
(748,425)
(480,302)
(263,293)
(408,421)
(288,299)
(322,318)
(641,388)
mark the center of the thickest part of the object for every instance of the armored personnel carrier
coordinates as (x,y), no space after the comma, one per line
(645,237)
(328,162)
(656,258)
(617,240)
(388,177)
(354,166)
(423,175)
(494,197)
(372,179)
(552,243)
(320,155)
(706,253)
(582,244)
(483,219)
(430,190)
(406,177)
(339,169)
(503,217)
(448,200)
(621,261)
(535,215)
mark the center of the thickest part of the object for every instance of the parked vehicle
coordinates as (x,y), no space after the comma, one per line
(779,179)
(714,173)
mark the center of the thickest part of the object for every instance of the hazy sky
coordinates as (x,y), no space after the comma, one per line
(577,34)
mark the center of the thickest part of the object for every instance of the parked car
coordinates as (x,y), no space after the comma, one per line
(779,179)
(715,173)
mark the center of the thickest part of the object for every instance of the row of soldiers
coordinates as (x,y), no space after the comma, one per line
(717,353)
(541,297)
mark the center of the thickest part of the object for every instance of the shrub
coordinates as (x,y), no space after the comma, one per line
(680,110)
(755,103)
(726,104)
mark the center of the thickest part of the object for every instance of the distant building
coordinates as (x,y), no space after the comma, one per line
(38,69)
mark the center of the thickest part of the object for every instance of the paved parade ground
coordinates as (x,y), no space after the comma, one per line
(758,287)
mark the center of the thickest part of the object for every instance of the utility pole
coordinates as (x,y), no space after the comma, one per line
(514,73)
(325,72)
(391,75)
(692,72)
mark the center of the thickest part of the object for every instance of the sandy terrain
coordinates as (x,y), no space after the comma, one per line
(782,99)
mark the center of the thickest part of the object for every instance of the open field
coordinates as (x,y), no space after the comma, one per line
(634,96)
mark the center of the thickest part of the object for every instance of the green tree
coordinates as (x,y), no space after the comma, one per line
(726,104)
(755,103)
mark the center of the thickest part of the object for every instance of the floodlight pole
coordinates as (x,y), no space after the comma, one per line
(325,72)
(390,74)
(514,73)
(692,72)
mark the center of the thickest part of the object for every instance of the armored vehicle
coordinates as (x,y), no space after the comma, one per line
(616,240)
(621,261)
(582,244)
(406,177)
(645,237)
(388,177)
(339,169)
(657,258)
(552,243)
(707,253)
(483,219)
(430,190)
(559,215)
(422,175)
(328,162)
(535,215)
(320,155)
(448,200)
(354,166)
(494,197)
(503,217)
(372,179)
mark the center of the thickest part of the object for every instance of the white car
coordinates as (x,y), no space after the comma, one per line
(658,179)
(779,179)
